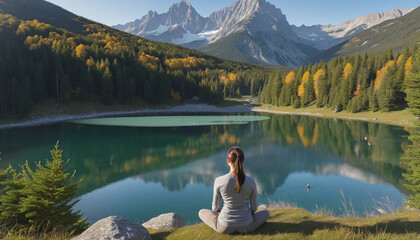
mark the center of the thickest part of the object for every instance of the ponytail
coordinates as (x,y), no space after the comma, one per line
(236,156)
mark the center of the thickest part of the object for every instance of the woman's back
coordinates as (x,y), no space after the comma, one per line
(236,210)
(239,195)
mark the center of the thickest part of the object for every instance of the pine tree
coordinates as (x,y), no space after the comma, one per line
(12,184)
(373,100)
(387,92)
(412,83)
(412,154)
(107,87)
(49,193)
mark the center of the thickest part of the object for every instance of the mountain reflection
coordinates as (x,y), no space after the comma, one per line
(270,164)
(177,156)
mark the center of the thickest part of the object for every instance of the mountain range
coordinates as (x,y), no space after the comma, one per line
(254,31)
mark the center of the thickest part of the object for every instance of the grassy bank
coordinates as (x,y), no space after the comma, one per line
(297,223)
(400,118)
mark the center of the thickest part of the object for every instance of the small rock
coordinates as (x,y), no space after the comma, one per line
(167,221)
(417,117)
(375,119)
(262,206)
(308,185)
(114,227)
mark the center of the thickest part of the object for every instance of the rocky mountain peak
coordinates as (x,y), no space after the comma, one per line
(151,14)
(181,6)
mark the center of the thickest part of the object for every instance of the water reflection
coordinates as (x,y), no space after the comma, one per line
(283,153)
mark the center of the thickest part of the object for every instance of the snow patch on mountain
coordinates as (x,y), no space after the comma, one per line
(190,37)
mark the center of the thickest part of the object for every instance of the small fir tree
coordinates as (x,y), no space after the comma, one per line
(40,200)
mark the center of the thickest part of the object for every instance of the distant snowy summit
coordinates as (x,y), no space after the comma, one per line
(249,30)
(180,24)
(326,36)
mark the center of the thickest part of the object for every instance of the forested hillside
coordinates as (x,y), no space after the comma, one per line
(354,83)
(39,61)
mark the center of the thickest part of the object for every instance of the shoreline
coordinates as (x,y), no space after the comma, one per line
(186,108)
(324,116)
(378,117)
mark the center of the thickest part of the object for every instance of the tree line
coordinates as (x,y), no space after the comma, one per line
(353,83)
(39,61)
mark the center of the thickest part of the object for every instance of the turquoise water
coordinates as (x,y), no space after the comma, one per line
(140,167)
(174,121)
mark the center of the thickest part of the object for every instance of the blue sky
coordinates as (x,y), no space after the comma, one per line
(308,12)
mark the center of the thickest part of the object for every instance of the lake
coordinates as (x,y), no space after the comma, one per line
(140,167)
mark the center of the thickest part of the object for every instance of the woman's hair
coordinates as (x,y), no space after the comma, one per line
(236,156)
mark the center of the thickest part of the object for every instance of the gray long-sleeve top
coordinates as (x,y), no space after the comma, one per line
(237,208)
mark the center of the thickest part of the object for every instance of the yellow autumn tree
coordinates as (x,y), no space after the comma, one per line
(301,88)
(223,79)
(183,63)
(408,65)
(400,58)
(319,74)
(114,47)
(231,77)
(175,96)
(81,51)
(148,61)
(358,89)
(347,70)
(90,62)
(380,74)
(289,77)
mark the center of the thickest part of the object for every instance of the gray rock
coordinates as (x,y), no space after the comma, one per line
(375,119)
(167,221)
(114,227)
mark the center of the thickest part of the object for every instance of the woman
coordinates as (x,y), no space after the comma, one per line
(236,190)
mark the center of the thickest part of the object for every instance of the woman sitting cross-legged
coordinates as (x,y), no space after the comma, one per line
(239,194)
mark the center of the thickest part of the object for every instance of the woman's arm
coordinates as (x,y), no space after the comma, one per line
(216,198)
(253,197)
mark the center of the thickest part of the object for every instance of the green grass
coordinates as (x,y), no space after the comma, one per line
(297,223)
(400,118)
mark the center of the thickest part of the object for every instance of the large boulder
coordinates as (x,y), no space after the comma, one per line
(167,221)
(115,228)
